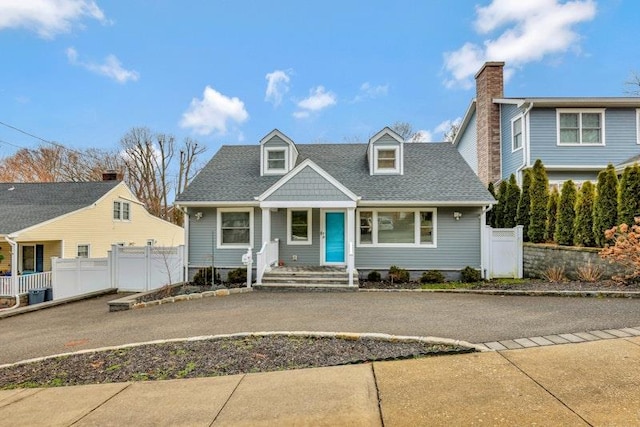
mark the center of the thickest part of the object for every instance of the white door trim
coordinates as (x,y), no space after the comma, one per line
(323,236)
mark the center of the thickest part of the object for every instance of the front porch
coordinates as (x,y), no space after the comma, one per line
(23,283)
(308,278)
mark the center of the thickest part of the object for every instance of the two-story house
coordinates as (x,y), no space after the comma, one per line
(361,206)
(574,137)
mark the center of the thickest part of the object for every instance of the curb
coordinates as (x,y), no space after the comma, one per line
(515,292)
(340,335)
(129,302)
(35,307)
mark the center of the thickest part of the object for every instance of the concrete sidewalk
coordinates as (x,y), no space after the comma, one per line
(591,383)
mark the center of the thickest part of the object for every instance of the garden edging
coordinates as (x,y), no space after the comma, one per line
(131,301)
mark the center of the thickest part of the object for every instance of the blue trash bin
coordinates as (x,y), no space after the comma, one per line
(36,296)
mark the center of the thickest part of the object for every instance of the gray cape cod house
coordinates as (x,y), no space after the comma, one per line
(354,207)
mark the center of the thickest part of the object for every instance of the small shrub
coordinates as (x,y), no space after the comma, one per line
(398,275)
(589,272)
(203,277)
(239,275)
(470,275)
(625,249)
(554,274)
(432,276)
(374,276)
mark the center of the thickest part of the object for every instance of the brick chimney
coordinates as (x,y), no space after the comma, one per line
(489,85)
(110,175)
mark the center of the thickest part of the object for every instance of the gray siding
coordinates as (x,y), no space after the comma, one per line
(620,140)
(386,140)
(276,141)
(468,145)
(202,241)
(306,254)
(511,161)
(458,246)
(307,185)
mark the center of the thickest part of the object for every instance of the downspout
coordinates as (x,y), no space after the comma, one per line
(14,266)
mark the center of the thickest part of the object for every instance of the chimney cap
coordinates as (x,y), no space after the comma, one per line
(499,64)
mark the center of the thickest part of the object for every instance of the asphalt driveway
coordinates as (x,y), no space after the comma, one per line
(470,317)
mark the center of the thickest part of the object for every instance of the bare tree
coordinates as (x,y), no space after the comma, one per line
(39,165)
(633,84)
(404,129)
(453,130)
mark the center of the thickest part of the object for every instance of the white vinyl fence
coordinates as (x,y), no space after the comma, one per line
(129,268)
(504,251)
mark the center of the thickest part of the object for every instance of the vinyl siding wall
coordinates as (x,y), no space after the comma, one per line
(306,254)
(620,140)
(203,240)
(511,160)
(468,145)
(95,226)
(307,185)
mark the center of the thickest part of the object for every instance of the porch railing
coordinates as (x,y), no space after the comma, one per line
(26,283)
(351,263)
(266,258)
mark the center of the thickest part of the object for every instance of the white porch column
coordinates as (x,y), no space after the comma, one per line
(266,225)
(351,242)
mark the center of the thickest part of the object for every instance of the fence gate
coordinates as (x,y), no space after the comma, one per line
(504,249)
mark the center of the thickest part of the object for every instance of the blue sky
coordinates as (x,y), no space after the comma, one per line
(83,72)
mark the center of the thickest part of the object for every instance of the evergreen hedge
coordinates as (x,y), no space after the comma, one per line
(499,208)
(539,193)
(629,195)
(510,208)
(524,205)
(566,214)
(491,214)
(552,212)
(605,211)
(583,224)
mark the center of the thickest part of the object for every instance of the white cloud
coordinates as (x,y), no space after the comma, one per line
(422,136)
(532,29)
(368,91)
(277,86)
(111,67)
(213,112)
(47,18)
(318,99)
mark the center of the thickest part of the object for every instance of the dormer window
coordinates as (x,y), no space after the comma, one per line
(276,160)
(386,159)
(385,152)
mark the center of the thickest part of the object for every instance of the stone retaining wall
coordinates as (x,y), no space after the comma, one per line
(539,258)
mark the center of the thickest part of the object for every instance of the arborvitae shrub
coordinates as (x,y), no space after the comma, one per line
(566,214)
(470,275)
(491,217)
(629,199)
(605,211)
(524,205)
(552,212)
(432,276)
(510,209)
(499,208)
(239,275)
(398,275)
(583,224)
(539,193)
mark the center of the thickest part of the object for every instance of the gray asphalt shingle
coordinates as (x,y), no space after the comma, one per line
(23,205)
(432,172)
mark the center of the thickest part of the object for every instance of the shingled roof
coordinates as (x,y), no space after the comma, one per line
(23,205)
(433,172)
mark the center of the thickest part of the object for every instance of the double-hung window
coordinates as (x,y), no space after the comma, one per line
(83,251)
(276,161)
(299,226)
(121,211)
(235,228)
(516,133)
(580,127)
(397,227)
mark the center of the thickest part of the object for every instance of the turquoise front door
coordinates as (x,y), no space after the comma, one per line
(334,242)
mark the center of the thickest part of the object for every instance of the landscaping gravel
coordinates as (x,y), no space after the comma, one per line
(213,357)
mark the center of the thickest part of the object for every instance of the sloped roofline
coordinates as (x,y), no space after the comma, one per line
(465,122)
(307,163)
(282,136)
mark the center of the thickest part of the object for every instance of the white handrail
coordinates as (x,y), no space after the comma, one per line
(266,258)
(350,264)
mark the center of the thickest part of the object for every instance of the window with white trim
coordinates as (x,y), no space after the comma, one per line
(516,133)
(83,251)
(386,160)
(299,226)
(121,211)
(235,228)
(399,227)
(580,127)
(275,160)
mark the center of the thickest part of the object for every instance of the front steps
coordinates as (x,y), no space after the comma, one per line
(308,278)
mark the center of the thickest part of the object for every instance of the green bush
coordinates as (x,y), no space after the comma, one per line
(552,212)
(605,212)
(628,200)
(583,224)
(203,277)
(510,208)
(432,276)
(398,275)
(374,276)
(239,275)
(491,215)
(539,193)
(470,275)
(499,207)
(524,205)
(566,214)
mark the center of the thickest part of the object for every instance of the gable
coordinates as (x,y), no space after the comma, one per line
(307,185)
(385,153)
(278,154)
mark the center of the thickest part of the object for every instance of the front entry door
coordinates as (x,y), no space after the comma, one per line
(334,238)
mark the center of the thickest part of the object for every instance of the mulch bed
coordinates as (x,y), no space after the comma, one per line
(213,357)
(523,285)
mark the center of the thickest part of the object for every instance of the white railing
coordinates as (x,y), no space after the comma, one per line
(350,263)
(266,258)
(28,282)
(6,286)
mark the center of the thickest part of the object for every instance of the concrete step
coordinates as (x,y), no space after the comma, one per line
(304,279)
(315,287)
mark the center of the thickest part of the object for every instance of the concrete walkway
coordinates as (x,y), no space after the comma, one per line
(589,383)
